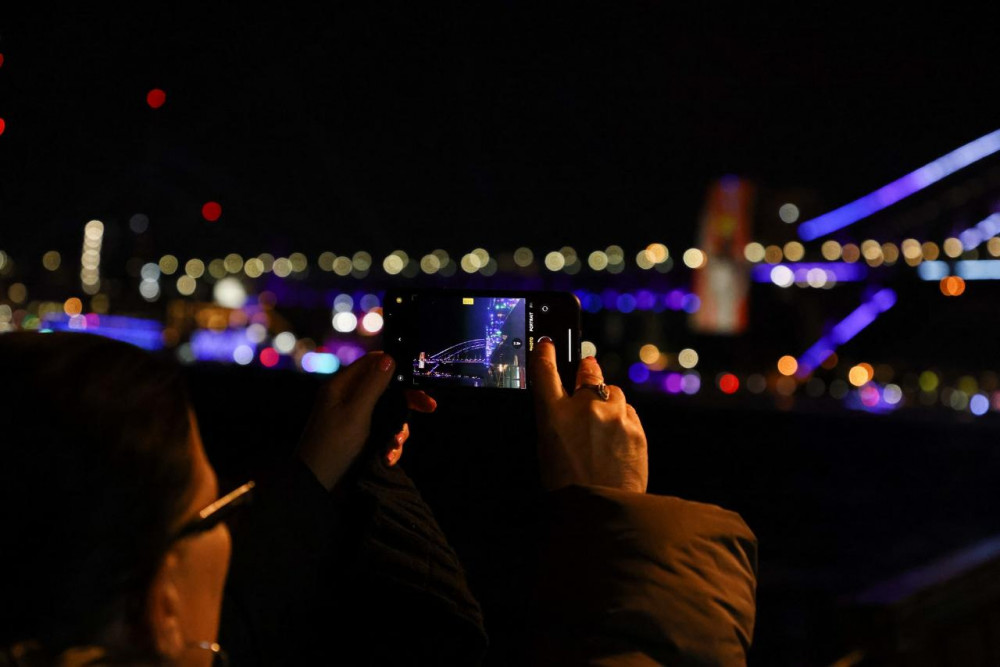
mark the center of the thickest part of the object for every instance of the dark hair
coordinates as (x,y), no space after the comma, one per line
(95,472)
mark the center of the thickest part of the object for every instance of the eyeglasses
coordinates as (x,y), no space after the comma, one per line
(217,512)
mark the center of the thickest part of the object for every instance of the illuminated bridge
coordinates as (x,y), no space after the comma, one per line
(467,352)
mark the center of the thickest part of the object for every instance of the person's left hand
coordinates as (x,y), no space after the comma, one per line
(341,419)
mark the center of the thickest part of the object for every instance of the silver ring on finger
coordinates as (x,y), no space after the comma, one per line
(600,389)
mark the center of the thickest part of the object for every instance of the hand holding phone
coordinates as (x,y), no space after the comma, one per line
(481,340)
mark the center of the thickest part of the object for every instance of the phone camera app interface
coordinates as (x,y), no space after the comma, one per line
(471,342)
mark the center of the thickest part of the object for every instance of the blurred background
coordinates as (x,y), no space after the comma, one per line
(782,228)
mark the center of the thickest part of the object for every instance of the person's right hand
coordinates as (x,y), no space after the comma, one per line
(582,438)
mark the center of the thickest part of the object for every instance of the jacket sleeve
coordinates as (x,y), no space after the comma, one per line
(634,579)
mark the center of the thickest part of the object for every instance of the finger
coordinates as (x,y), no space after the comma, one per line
(395,452)
(545,382)
(616,396)
(589,372)
(344,384)
(419,401)
(371,385)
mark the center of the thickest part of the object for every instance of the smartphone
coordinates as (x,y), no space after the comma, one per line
(478,339)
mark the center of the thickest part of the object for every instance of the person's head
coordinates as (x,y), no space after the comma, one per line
(101,465)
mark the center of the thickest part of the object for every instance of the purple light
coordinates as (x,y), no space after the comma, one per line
(610,298)
(901,188)
(209,345)
(626,303)
(638,373)
(983,231)
(842,271)
(691,303)
(145,334)
(672,383)
(979,405)
(690,383)
(675,299)
(348,353)
(645,300)
(845,330)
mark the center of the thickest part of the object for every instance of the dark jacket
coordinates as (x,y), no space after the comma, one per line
(367,577)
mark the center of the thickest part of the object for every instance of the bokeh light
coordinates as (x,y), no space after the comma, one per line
(787,365)
(687,358)
(211,211)
(155,98)
(788,213)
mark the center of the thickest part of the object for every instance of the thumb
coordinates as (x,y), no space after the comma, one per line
(371,385)
(545,382)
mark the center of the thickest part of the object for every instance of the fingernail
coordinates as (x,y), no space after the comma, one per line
(399,439)
(392,456)
(386,363)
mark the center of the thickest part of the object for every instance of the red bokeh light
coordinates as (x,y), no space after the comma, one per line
(1,60)
(3,125)
(729,383)
(269,357)
(155,98)
(211,211)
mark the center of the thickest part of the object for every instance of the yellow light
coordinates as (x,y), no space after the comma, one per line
(186,285)
(299,262)
(282,267)
(100,304)
(233,263)
(794,251)
(195,268)
(687,358)
(645,262)
(661,363)
(831,251)
(470,263)
(657,252)
(993,246)
(858,376)
(325,261)
(694,258)
(952,247)
(615,255)
(217,269)
(523,257)
(851,253)
(17,292)
(482,256)
(649,353)
(342,266)
(890,253)
(555,261)
(928,381)
(468,301)
(772,254)
(787,365)
(361,261)
(168,264)
(598,260)
(430,264)
(254,267)
(392,264)
(267,261)
(754,252)
(931,251)
(73,306)
(871,250)
(911,249)
(51,260)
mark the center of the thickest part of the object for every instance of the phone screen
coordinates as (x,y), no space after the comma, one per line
(480,340)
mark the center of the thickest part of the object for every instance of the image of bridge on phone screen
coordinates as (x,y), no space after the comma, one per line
(472,342)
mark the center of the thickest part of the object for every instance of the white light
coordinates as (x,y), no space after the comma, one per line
(587,349)
(372,322)
(345,322)
(150,271)
(788,213)
(284,342)
(343,303)
(282,267)
(149,289)
(892,394)
(230,293)
(94,229)
(687,358)
(782,276)
(256,333)
(816,277)
(243,355)
(754,252)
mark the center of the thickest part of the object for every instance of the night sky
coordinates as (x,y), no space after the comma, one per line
(499,124)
